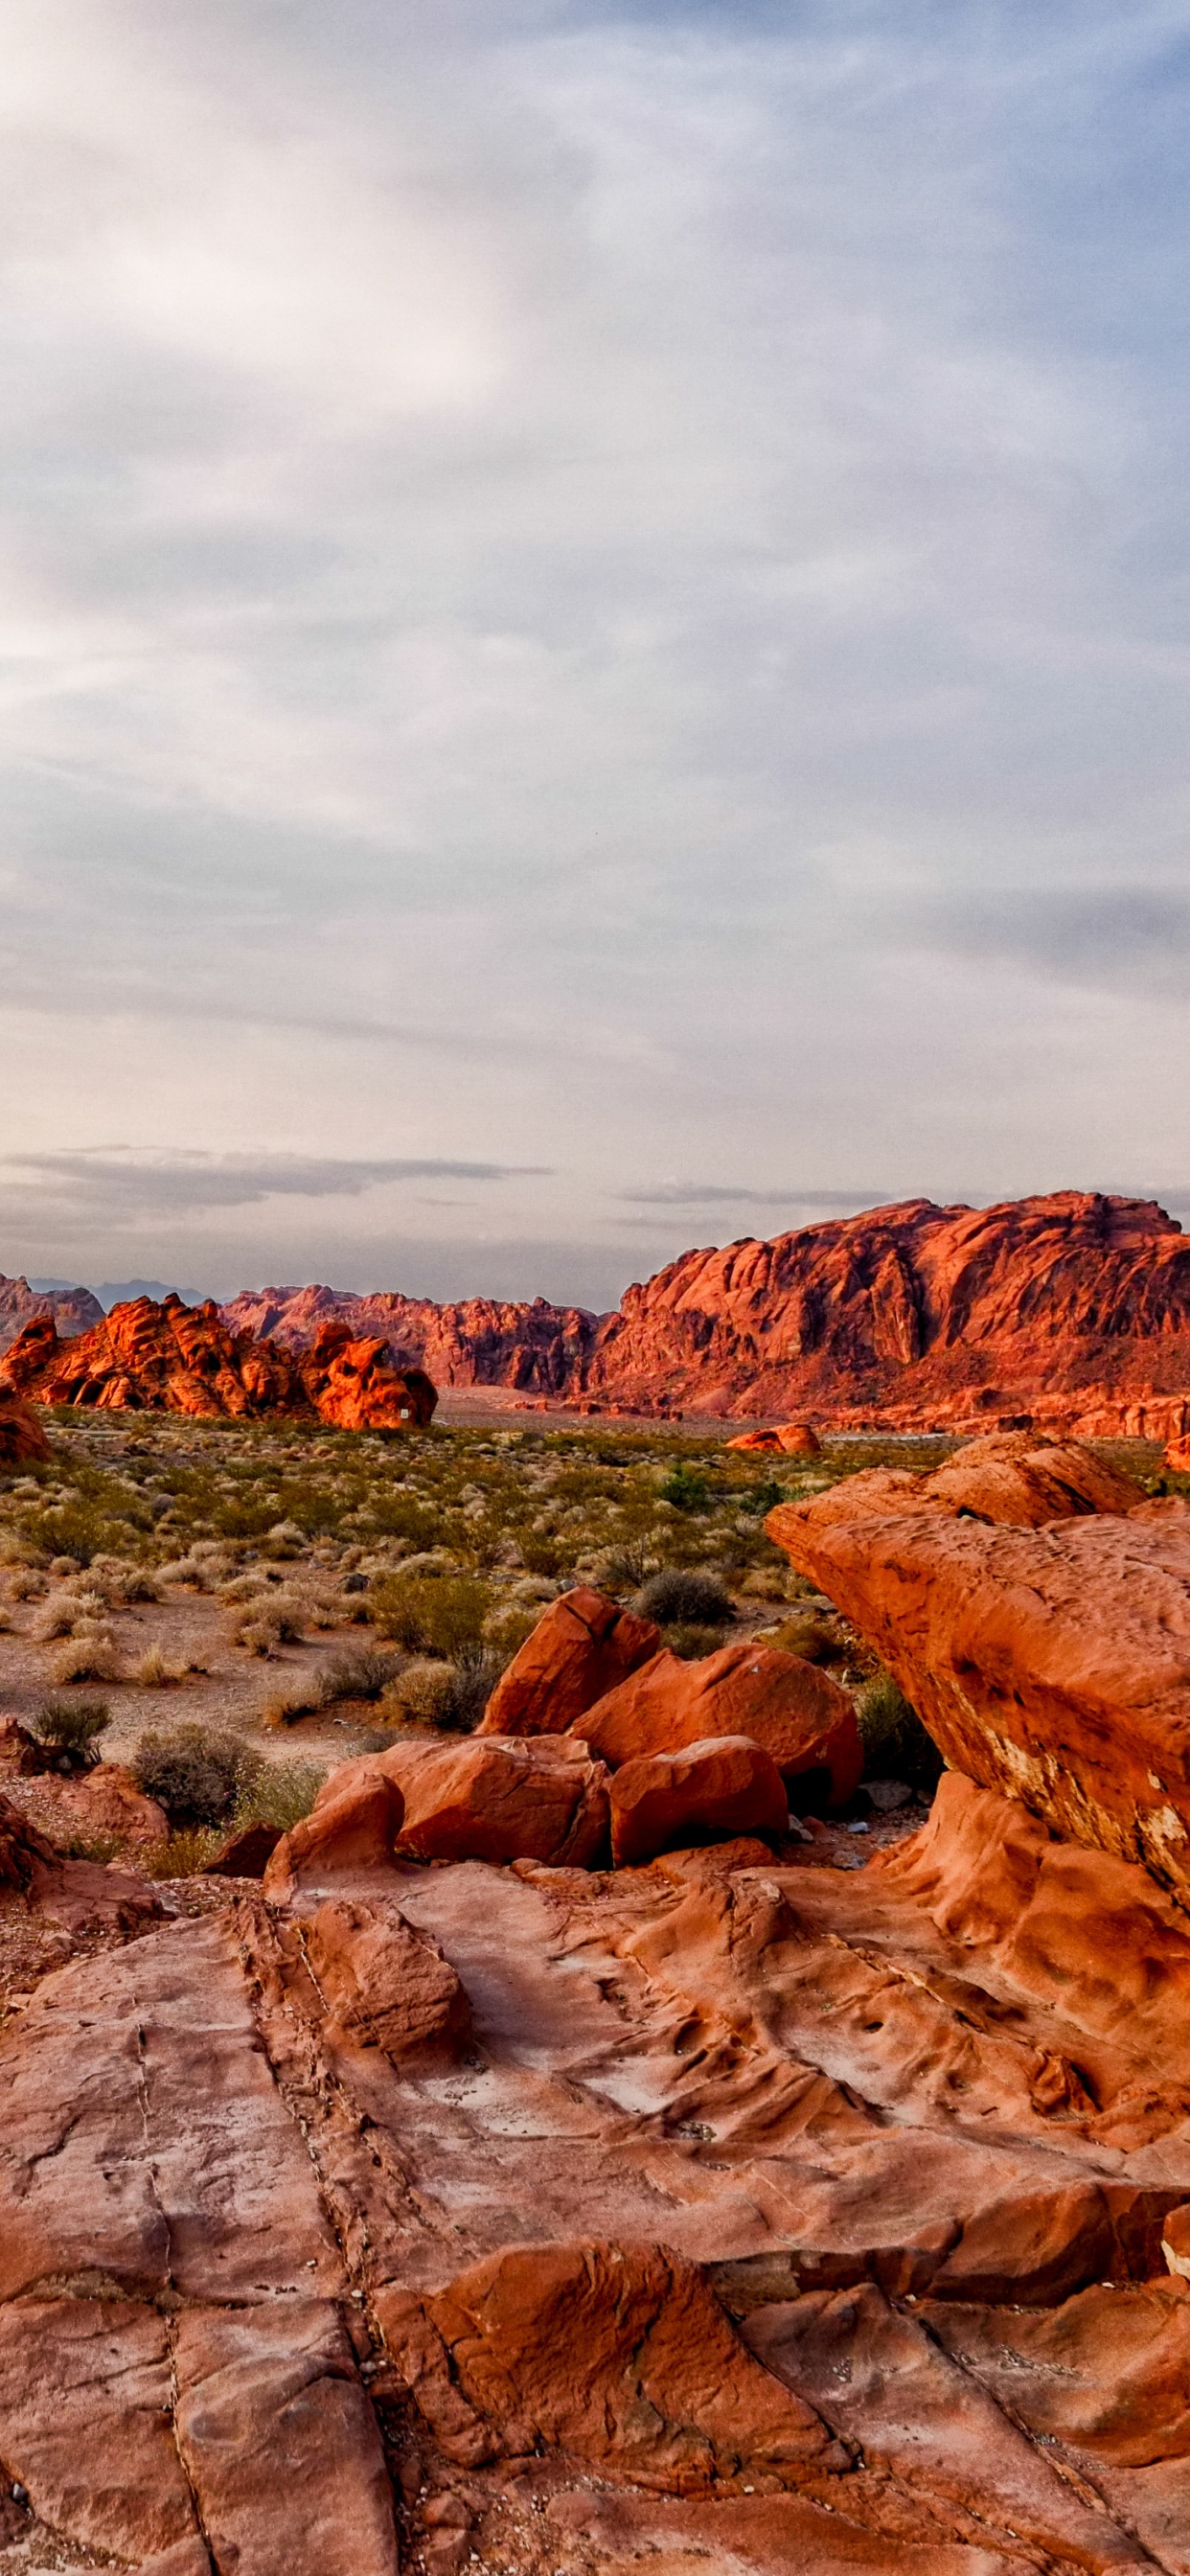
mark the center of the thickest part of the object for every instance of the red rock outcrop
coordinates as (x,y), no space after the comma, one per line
(78,1894)
(581,1647)
(495,1798)
(1006,1476)
(107,1802)
(788,1707)
(730,2212)
(22,1440)
(1071,1311)
(1052,1664)
(1177,1457)
(356,1818)
(172,1358)
(725,1786)
(794,1439)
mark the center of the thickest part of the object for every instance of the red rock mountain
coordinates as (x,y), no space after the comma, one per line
(538,1347)
(182,1359)
(73,1310)
(1072,1311)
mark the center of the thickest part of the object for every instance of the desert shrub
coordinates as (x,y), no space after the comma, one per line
(361,1672)
(302,1697)
(71,1729)
(431,1615)
(684,1490)
(56,1619)
(506,1629)
(686,1638)
(153,1670)
(89,1657)
(626,1567)
(680,1595)
(896,1744)
(812,1636)
(184,1855)
(449,1697)
(282,1794)
(198,1774)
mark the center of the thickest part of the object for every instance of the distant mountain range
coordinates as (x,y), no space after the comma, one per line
(1070,1311)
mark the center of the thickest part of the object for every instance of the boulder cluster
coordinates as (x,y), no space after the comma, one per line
(173,1358)
(559,2161)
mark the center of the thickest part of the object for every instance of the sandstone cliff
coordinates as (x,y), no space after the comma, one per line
(1072,1311)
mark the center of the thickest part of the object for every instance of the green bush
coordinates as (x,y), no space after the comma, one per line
(896,1744)
(199,1774)
(282,1793)
(686,1638)
(431,1615)
(71,1728)
(685,1490)
(680,1594)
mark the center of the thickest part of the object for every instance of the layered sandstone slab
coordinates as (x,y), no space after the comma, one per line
(495,1798)
(582,1646)
(172,1358)
(721,2213)
(1052,1664)
(1005,1476)
(798,1716)
(793,1439)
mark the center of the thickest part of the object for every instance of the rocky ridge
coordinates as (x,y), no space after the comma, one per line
(1071,1310)
(74,1310)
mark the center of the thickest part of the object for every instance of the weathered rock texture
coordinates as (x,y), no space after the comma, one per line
(1005,1476)
(729,2213)
(172,1358)
(802,1719)
(1051,1663)
(726,1785)
(480,1342)
(1071,1310)
(581,1647)
(74,1310)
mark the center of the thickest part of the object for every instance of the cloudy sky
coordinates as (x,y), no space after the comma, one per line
(594,614)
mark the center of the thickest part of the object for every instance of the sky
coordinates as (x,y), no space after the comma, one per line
(594,627)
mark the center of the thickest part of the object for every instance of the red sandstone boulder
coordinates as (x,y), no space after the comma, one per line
(502,1798)
(1010,1476)
(351,1829)
(246,1854)
(109,1801)
(707,1792)
(22,1441)
(386,1985)
(353,1382)
(1050,1664)
(582,1646)
(618,2355)
(796,1439)
(79,1894)
(1177,1457)
(790,1708)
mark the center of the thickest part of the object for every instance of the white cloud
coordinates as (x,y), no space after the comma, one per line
(588,588)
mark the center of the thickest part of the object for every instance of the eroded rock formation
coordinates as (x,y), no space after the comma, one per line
(730,2211)
(172,1358)
(1052,1663)
(73,1310)
(1071,1310)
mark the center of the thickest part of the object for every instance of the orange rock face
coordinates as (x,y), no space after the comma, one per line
(796,1439)
(790,1708)
(22,1440)
(173,1358)
(667,1801)
(582,1646)
(502,1798)
(617,2355)
(1177,1457)
(1006,1476)
(1052,1664)
(1073,1310)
